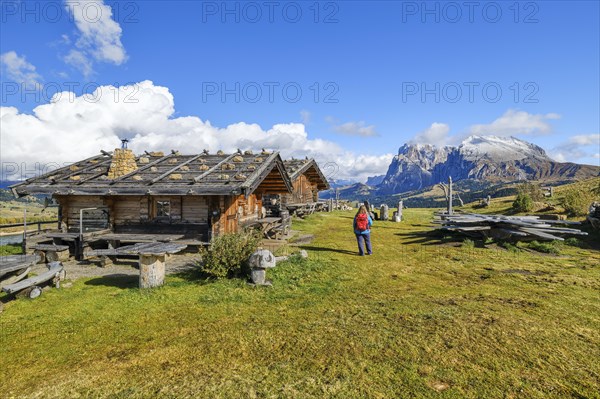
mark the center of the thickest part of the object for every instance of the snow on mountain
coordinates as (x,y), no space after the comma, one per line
(499,149)
(487,158)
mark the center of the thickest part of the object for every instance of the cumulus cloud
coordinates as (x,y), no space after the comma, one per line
(80,61)
(356,129)
(99,36)
(577,148)
(514,123)
(436,134)
(18,69)
(70,128)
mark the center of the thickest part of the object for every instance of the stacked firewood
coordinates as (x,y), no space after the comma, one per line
(506,227)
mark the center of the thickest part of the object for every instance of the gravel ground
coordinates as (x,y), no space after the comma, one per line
(76,270)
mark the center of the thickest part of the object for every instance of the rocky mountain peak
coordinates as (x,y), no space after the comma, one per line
(490,158)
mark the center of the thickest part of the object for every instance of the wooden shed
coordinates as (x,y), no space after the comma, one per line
(307,180)
(201,195)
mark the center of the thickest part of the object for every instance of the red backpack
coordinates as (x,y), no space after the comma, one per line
(362,222)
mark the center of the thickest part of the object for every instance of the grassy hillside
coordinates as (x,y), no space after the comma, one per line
(423,317)
(433,197)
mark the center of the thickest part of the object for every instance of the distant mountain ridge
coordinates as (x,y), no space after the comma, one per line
(490,158)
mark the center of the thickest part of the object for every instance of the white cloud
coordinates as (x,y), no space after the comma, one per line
(356,129)
(576,148)
(79,61)
(99,36)
(436,134)
(70,128)
(597,155)
(18,69)
(514,123)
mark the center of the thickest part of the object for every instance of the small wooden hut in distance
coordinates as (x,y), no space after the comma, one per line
(201,195)
(307,180)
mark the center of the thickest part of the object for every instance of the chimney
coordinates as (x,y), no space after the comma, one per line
(123,162)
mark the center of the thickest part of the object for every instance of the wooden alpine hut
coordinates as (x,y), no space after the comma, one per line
(307,180)
(199,196)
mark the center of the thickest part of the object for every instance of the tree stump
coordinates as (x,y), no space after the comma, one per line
(41,254)
(152,270)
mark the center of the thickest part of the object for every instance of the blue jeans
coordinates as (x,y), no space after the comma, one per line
(367,239)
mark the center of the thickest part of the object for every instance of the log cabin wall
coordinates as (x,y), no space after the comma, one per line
(194,209)
(70,206)
(125,210)
(236,211)
(303,192)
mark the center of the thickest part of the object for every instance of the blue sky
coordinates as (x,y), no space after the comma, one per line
(362,68)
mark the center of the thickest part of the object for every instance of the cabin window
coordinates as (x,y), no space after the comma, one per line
(163,208)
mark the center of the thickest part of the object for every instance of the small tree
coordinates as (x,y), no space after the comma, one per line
(534,191)
(523,203)
(577,202)
(228,253)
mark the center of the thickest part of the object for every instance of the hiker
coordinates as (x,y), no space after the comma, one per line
(362,229)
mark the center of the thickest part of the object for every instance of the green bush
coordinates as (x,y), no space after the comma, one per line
(468,244)
(510,247)
(228,253)
(523,203)
(577,202)
(550,247)
(575,242)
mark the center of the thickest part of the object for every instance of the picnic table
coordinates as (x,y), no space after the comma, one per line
(139,238)
(268,225)
(51,252)
(151,259)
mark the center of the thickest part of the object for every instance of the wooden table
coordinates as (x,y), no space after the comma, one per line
(138,238)
(268,224)
(52,252)
(151,259)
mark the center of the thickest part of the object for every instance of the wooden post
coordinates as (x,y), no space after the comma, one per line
(152,270)
(450,212)
(24,243)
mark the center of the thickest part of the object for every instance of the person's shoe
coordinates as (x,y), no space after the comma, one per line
(370,253)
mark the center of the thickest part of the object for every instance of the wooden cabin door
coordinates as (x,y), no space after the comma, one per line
(231,216)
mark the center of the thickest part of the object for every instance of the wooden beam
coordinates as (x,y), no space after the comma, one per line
(167,173)
(53,172)
(151,164)
(84,170)
(203,175)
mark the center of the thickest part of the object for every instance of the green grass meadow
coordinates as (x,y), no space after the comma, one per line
(424,317)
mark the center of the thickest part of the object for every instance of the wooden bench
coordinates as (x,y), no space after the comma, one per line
(51,252)
(31,287)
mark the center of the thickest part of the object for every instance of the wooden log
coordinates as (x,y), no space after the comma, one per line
(152,270)
(41,254)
